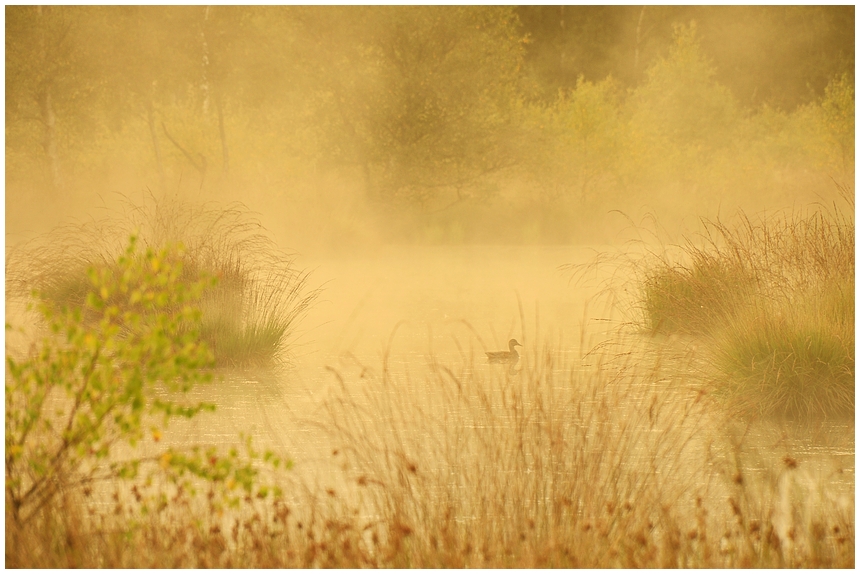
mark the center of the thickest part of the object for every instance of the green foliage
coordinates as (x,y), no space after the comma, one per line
(796,359)
(576,140)
(678,142)
(779,55)
(248,313)
(425,108)
(110,372)
(230,477)
(422,101)
(837,111)
(88,386)
(680,100)
(680,116)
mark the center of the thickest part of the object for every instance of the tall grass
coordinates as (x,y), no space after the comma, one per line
(250,315)
(620,464)
(601,465)
(773,299)
(792,358)
(774,257)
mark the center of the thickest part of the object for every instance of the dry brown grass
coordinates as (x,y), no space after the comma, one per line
(770,298)
(621,461)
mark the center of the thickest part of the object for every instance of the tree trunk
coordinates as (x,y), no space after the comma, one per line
(211,88)
(638,41)
(49,138)
(150,118)
(225,154)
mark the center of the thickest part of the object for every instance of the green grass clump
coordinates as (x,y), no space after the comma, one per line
(774,301)
(693,299)
(797,359)
(248,316)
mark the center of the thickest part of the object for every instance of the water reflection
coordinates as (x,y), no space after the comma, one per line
(509,356)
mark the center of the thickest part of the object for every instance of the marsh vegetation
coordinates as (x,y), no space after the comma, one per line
(773,300)
(662,224)
(421,460)
(248,313)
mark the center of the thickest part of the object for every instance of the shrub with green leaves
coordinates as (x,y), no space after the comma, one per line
(109,372)
(88,385)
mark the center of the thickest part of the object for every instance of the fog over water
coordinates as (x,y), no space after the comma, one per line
(411,306)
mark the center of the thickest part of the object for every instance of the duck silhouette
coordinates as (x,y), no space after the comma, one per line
(510,356)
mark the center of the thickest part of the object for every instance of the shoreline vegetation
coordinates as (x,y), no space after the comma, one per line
(442,126)
(249,312)
(772,299)
(628,462)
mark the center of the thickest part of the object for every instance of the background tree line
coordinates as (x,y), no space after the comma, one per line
(468,123)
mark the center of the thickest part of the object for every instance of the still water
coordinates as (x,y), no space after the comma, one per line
(406,308)
(406,305)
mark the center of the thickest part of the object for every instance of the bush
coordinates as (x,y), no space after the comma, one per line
(88,385)
(108,376)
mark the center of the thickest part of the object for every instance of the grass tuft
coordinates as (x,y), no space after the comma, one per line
(769,300)
(249,316)
(774,301)
(694,298)
(795,359)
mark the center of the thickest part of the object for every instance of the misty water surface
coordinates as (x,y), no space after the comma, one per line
(411,305)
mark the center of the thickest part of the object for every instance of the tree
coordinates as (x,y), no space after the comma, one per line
(153,61)
(575,141)
(783,56)
(46,80)
(680,115)
(222,29)
(417,97)
(837,118)
(445,119)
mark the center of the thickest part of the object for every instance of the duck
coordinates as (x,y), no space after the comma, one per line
(510,356)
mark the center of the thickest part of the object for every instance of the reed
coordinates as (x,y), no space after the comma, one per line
(773,299)
(623,459)
(618,461)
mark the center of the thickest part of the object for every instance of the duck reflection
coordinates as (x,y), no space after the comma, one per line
(510,356)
